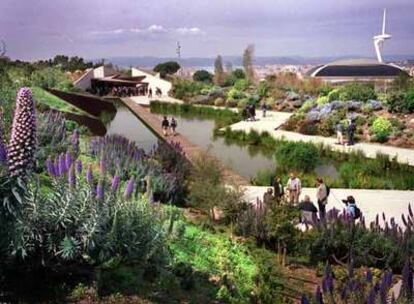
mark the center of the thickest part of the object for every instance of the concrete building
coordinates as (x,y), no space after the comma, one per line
(356,70)
(84,83)
(154,81)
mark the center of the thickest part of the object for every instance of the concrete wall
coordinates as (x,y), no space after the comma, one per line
(154,82)
(84,82)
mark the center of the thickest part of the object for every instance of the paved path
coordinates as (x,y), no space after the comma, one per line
(276,119)
(145,101)
(371,202)
(191,150)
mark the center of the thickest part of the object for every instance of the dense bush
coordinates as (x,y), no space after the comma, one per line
(356,91)
(301,157)
(323,100)
(203,76)
(398,102)
(241,84)
(381,129)
(51,78)
(167,68)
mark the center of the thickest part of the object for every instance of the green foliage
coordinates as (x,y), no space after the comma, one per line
(51,78)
(323,100)
(203,76)
(241,84)
(239,74)
(381,129)
(334,95)
(307,105)
(219,102)
(185,89)
(356,91)
(302,157)
(167,68)
(235,94)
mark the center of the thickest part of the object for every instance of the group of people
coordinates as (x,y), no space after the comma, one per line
(249,112)
(158,92)
(167,126)
(340,130)
(128,91)
(308,209)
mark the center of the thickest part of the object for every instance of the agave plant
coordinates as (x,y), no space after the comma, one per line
(22,146)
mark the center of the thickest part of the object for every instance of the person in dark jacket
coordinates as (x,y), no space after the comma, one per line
(351,132)
(165,125)
(308,211)
(173,125)
(278,189)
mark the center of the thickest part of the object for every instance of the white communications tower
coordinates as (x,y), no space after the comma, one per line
(379,39)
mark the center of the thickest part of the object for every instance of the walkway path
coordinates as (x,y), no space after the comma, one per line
(276,119)
(371,202)
(191,150)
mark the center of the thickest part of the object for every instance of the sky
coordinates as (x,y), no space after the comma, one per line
(39,29)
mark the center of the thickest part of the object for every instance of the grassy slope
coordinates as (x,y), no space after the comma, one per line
(54,102)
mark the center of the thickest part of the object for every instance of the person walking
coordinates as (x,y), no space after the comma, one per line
(264,109)
(268,198)
(253,112)
(351,132)
(165,125)
(308,211)
(339,133)
(294,188)
(322,197)
(173,125)
(150,93)
(278,189)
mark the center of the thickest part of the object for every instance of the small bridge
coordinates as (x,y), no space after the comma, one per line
(191,151)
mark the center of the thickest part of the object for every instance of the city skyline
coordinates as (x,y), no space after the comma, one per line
(101,29)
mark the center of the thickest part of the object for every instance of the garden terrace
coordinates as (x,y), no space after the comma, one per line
(191,151)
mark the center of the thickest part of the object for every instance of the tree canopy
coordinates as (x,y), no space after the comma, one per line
(167,68)
(203,76)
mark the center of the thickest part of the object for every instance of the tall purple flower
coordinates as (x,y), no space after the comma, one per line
(50,167)
(62,164)
(407,276)
(115,183)
(129,189)
(72,177)
(369,276)
(100,191)
(318,296)
(304,300)
(3,149)
(78,167)
(89,175)
(68,160)
(22,144)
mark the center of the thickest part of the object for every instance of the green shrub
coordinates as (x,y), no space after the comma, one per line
(235,94)
(334,95)
(300,156)
(307,105)
(381,129)
(322,100)
(231,103)
(357,91)
(242,103)
(241,84)
(203,76)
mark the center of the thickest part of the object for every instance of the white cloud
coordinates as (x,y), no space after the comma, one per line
(155,28)
(152,29)
(189,31)
(110,32)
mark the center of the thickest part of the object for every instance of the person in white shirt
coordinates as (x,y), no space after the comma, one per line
(294,188)
(322,197)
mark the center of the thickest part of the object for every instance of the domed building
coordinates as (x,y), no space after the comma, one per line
(360,70)
(356,70)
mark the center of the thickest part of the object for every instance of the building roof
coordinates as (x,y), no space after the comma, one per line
(355,68)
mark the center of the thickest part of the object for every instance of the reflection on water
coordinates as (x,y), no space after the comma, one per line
(128,125)
(245,160)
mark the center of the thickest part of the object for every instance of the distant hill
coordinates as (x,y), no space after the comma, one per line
(150,62)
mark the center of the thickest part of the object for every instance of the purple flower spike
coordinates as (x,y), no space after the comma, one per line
(72,177)
(89,175)
(318,296)
(50,167)
(79,167)
(304,300)
(68,160)
(3,149)
(115,184)
(22,145)
(369,276)
(62,165)
(99,191)
(74,139)
(129,189)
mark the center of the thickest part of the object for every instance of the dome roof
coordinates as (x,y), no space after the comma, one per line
(355,68)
